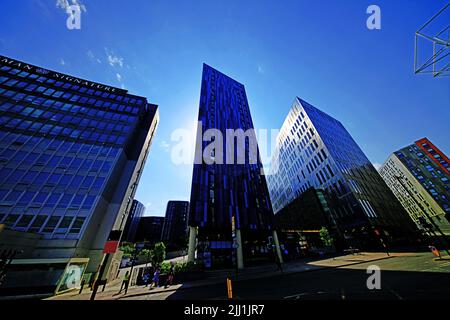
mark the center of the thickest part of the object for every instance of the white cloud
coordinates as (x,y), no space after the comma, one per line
(63,4)
(119,77)
(92,57)
(113,59)
(260,69)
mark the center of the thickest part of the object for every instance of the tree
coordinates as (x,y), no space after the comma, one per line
(145,255)
(159,254)
(127,248)
(325,237)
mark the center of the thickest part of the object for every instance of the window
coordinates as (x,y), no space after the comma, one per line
(51,224)
(26,198)
(11,219)
(37,223)
(77,200)
(87,182)
(65,223)
(24,221)
(77,225)
(13,196)
(40,198)
(88,202)
(98,182)
(65,200)
(51,201)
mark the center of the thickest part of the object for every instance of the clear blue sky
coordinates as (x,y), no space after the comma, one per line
(320,51)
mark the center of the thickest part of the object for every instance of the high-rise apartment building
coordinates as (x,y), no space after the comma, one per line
(71,155)
(131,226)
(418,175)
(150,229)
(175,229)
(315,150)
(230,204)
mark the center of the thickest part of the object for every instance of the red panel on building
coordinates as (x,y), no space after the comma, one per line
(434,153)
(111,246)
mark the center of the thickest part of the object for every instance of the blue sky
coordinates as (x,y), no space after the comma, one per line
(320,51)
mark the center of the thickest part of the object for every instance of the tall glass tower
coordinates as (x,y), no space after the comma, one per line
(315,150)
(71,155)
(230,204)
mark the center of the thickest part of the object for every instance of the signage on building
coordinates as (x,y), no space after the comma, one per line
(58,76)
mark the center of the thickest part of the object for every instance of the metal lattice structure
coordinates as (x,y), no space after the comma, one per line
(436,35)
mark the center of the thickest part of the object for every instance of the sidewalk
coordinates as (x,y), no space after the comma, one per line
(111,291)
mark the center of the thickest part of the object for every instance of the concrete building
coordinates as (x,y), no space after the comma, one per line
(418,176)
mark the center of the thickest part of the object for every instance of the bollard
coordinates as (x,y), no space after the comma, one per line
(229,289)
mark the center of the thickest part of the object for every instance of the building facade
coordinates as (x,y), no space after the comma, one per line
(315,150)
(132,224)
(299,223)
(150,229)
(175,229)
(71,156)
(230,211)
(418,176)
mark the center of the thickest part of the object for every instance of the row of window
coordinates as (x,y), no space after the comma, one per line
(49,104)
(15,141)
(46,199)
(45,223)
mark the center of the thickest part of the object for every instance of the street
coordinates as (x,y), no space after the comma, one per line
(416,276)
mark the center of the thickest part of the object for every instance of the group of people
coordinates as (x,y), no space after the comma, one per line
(155,279)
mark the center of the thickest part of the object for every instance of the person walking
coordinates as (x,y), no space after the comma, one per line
(155,280)
(125,282)
(145,278)
(170,275)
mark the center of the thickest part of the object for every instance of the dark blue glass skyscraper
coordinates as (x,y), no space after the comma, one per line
(230,204)
(71,155)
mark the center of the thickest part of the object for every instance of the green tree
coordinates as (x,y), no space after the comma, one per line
(127,248)
(325,237)
(159,253)
(145,255)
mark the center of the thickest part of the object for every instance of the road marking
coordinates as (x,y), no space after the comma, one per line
(394,293)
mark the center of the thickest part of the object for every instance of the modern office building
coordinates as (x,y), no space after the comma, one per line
(71,155)
(230,211)
(175,229)
(150,229)
(299,223)
(132,224)
(315,150)
(418,175)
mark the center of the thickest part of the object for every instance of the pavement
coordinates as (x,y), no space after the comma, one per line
(217,278)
